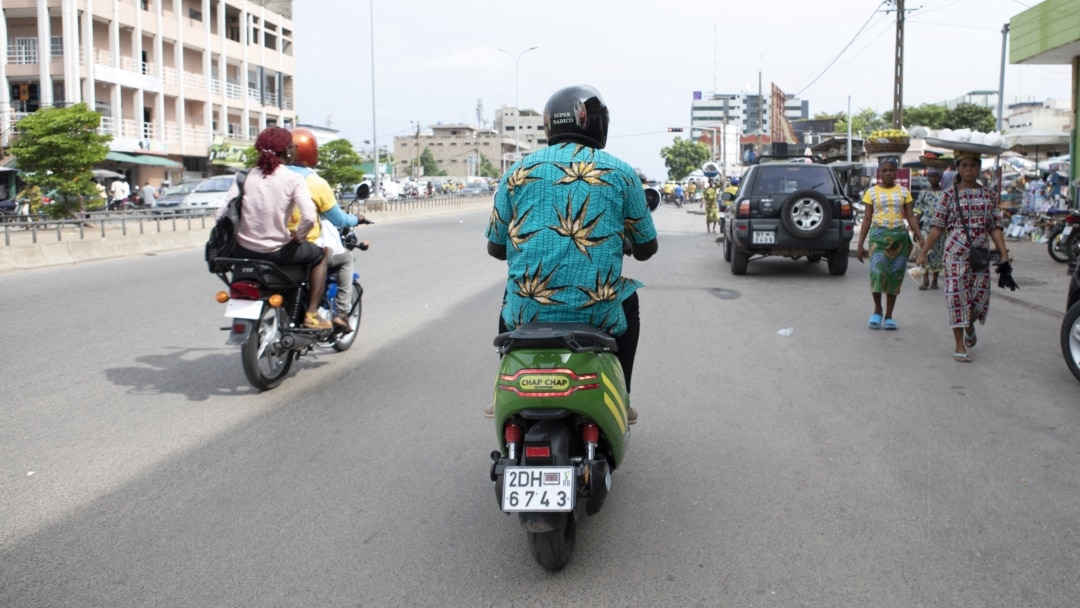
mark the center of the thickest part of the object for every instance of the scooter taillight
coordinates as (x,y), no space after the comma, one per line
(537,451)
(245,290)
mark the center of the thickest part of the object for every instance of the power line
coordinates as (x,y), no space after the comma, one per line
(843,50)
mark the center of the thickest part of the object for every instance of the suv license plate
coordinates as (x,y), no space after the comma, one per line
(538,489)
(766,237)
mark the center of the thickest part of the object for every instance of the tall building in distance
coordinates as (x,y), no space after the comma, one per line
(181,85)
(741,118)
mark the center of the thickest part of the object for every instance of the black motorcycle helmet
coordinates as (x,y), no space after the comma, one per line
(576,114)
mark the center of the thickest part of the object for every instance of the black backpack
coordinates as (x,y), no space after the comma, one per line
(222,239)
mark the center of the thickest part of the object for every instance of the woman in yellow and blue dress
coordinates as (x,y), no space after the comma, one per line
(888,217)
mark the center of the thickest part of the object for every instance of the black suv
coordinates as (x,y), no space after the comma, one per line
(791,209)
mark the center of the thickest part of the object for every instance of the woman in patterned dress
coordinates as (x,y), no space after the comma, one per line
(967,291)
(888,217)
(924,208)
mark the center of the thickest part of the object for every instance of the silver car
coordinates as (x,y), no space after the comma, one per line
(174,197)
(211,193)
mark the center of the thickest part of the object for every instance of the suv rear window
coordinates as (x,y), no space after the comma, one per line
(787,179)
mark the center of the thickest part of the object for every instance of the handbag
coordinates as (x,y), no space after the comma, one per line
(978,256)
(222,239)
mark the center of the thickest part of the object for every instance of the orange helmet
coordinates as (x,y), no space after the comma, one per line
(307,148)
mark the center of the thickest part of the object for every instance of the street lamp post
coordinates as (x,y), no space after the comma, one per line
(517,104)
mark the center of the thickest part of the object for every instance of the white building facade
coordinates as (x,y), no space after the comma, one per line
(171,79)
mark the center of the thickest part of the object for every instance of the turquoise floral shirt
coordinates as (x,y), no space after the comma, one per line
(561,213)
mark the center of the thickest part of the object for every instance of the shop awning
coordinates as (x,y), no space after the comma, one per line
(120,157)
(148,160)
(157,161)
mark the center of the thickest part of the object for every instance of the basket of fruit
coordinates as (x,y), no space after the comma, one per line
(887,142)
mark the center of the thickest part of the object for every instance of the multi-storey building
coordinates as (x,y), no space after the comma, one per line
(458,148)
(178,83)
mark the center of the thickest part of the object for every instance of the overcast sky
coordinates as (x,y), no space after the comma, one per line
(434,60)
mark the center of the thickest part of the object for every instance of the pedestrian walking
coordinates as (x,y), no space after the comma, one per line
(930,198)
(712,207)
(968,217)
(888,207)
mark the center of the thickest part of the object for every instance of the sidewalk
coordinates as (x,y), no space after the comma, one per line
(18,251)
(1043,282)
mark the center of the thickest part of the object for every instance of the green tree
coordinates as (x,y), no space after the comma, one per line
(427,161)
(56,150)
(929,115)
(251,157)
(684,157)
(863,123)
(833,116)
(970,116)
(487,169)
(338,163)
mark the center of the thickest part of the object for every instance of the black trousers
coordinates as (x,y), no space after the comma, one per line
(627,342)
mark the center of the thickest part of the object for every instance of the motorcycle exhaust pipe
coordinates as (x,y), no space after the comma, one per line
(297,341)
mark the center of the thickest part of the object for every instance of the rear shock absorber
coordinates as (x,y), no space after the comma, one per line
(512,434)
(590,434)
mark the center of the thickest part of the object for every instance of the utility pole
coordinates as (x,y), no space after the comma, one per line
(898,76)
(1001,79)
(760,117)
(416,167)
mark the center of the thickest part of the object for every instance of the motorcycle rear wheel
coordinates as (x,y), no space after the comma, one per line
(266,363)
(344,341)
(1057,250)
(1070,339)
(553,550)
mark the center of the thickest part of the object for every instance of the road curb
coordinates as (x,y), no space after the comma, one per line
(62,253)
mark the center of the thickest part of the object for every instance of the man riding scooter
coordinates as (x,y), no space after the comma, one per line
(302,159)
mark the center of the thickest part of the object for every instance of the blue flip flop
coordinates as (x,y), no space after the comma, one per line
(874,322)
(890,324)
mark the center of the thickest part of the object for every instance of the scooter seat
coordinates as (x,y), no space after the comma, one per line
(575,337)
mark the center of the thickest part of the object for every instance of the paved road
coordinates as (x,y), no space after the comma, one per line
(837,466)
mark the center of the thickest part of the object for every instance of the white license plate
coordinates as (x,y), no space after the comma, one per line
(764,237)
(243,309)
(538,489)
(1066,231)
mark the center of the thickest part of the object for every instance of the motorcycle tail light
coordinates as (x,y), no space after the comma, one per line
(276,300)
(537,451)
(245,290)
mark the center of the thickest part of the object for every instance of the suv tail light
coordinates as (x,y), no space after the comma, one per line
(845,209)
(743,210)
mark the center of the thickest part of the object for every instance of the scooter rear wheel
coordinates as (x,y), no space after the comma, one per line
(1057,250)
(553,550)
(344,341)
(265,362)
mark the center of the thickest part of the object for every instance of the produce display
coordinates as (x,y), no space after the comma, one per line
(889,136)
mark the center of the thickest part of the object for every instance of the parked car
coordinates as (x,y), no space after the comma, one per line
(210,193)
(174,197)
(790,209)
(475,189)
